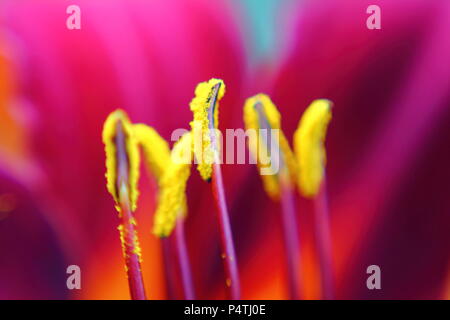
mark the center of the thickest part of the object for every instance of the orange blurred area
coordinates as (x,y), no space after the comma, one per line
(386,149)
(12,134)
(446,295)
(105,276)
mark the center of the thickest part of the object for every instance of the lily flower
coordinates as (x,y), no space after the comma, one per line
(387,149)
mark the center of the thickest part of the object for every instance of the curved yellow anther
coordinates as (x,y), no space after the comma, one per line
(172,193)
(261,114)
(309,139)
(118,125)
(156,149)
(205,107)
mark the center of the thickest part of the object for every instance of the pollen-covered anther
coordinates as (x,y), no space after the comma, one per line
(122,160)
(205,107)
(172,194)
(309,140)
(275,159)
(122,175)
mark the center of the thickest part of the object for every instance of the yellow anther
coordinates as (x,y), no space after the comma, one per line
(261,114)
(172,193)
(309,139)
(156,149)
(205,107)
(122,157)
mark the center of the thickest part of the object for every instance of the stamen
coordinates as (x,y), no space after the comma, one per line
(122,173)
(261,114)
(205,107)
(310,150)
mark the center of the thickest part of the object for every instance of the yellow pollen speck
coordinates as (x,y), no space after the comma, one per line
(122,239)
(260,113)
(205,98)
(109,135)
(156,149)
(135,246)
(172,194)
(228,282)
(309,139)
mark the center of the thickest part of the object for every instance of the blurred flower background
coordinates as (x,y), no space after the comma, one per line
(388,143)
